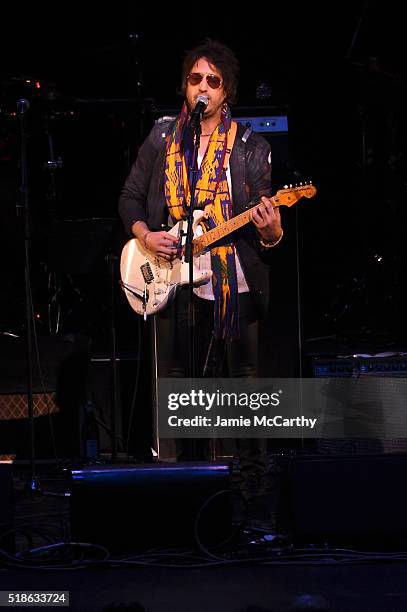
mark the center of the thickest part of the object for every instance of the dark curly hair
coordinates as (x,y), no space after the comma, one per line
(220,56)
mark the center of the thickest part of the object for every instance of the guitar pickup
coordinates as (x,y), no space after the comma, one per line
(147,273)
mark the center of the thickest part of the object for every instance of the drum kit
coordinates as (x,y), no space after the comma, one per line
(62,163)
(78,153)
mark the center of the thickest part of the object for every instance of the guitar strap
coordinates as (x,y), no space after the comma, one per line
(231,140)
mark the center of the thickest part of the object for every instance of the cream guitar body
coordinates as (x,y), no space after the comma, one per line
(150,282)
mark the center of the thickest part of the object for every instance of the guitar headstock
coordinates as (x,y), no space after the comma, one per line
(292,193)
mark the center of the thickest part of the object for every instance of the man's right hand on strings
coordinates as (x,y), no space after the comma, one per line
(163,244)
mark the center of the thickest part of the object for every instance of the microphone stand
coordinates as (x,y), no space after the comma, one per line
(195,125)
(23,209)
(111,260)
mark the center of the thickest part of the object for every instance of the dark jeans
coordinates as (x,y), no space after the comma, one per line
(237,358)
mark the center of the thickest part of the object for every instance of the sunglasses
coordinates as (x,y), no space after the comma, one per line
(214,82)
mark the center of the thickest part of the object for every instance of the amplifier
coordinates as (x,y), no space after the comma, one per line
(260,119)
(268,123)
(15,405)
(361,364)
(386,364)
(58,388)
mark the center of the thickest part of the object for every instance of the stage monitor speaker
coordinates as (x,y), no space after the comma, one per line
(350,499)
(134,507)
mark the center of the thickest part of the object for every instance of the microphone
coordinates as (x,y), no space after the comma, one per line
(23,105)
(196,115)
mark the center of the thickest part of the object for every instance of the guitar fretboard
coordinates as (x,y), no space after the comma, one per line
(284,197)
(220,231)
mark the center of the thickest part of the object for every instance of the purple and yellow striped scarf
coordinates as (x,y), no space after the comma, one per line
(212,194)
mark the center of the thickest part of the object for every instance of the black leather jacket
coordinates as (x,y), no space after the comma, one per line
(142,197)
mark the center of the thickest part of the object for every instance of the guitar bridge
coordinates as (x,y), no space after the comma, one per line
(147,273)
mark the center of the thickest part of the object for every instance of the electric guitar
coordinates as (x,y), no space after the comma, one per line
(150,281)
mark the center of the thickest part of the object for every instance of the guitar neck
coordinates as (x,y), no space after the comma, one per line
(284,197)
(220,231)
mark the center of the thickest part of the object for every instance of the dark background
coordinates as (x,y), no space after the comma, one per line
(106,72)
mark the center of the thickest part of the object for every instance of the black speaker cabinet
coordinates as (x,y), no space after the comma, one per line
(345,499)
(132,412)
(58,393)
(130,507)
